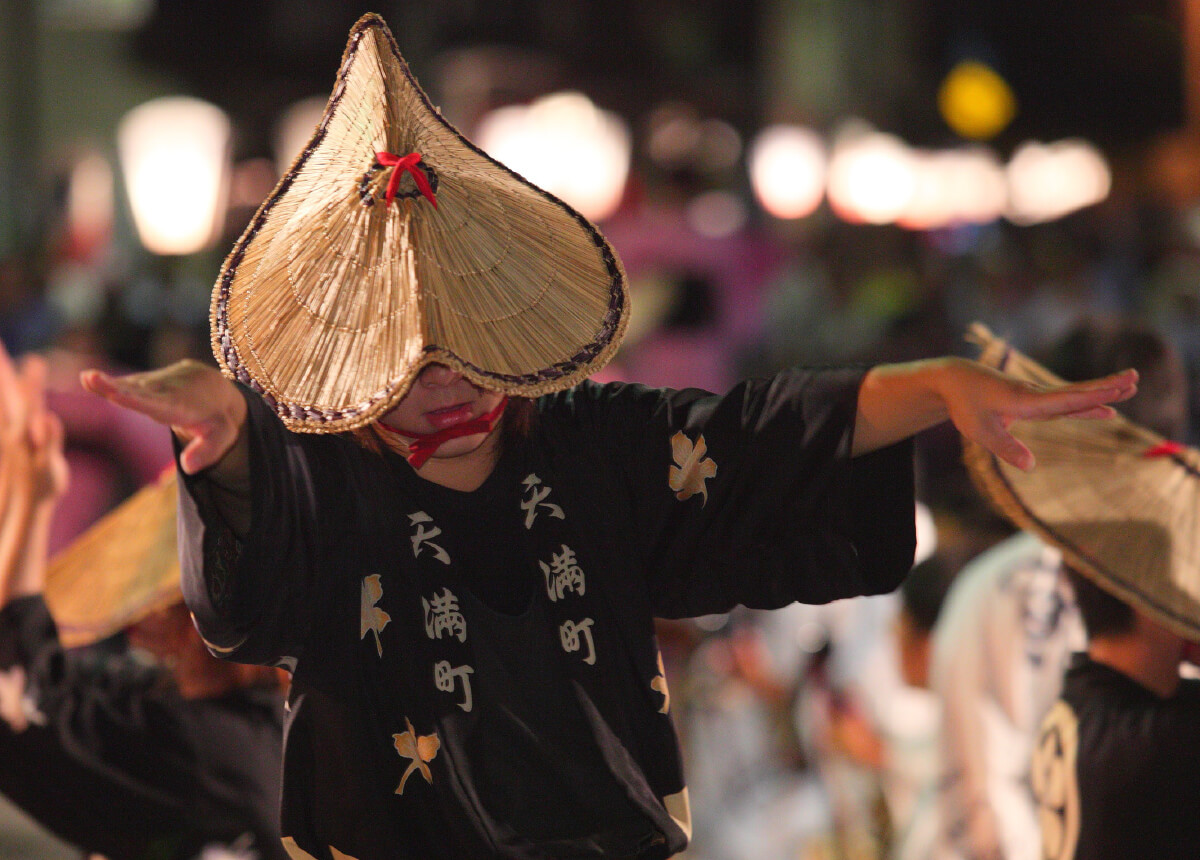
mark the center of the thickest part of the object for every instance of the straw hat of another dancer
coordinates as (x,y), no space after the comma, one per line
(393,243)
(1120,501)
(120,570)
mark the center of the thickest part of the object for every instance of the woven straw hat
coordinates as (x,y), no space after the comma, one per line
(120,570)
(335,298)
(1120,501)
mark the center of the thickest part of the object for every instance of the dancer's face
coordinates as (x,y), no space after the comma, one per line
(439,399)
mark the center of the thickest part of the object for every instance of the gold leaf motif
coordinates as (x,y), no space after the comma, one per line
(1056,782)
(373,618)
(687,477)
(419,748)
(659,684)
(295,852)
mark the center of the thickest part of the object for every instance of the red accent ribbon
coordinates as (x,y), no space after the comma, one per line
(424,445)
(1164,449)
(407,164)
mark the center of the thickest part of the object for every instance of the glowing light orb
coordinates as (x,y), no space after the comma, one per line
(975,101)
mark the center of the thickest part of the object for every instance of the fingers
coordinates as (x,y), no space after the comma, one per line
(55,433)
(1094,412)
(203,408)
(1008,448)
(33,394)
(130,392)
(202,451)
(95,381)
(22,395)
(11,403)
(1084,399)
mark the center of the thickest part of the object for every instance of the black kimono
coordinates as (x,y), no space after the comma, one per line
(105,753)
(1116,770)
(476,674)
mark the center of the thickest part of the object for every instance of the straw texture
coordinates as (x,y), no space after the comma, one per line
(333,300)
(118,571)
(1122,506)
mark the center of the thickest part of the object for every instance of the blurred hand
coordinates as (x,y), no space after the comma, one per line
(32,465)
(896,401)
(203,408)
(983,403)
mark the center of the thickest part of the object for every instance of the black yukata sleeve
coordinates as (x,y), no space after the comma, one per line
(252,597)
(752,497)
(88,747)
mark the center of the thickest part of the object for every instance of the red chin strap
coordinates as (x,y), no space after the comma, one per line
(424,445)
(1166,448)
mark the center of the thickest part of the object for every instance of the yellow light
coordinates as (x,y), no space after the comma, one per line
(975,101)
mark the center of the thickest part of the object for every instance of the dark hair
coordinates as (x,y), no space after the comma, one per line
(520,416)
(1097,347)
(924,591)
(1103,614)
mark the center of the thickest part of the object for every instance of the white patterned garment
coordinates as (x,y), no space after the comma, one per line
(1001,647)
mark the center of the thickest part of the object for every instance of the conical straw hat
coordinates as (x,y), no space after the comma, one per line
(1120,501)
(334,299)
(118,571)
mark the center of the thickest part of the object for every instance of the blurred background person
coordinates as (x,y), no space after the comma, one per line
(1011,625)
(1117,761)
(1117,500)
(172,758)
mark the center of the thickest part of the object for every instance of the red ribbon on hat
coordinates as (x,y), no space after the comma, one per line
(423,445)
(1164,449)
(402,165)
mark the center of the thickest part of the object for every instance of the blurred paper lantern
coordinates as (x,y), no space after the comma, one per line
(872,177)
(1050,181)
(295,128)
(174,155)
(979,185)
(787,170)
(566,145)
(932,203)
(961,186)
(975,101)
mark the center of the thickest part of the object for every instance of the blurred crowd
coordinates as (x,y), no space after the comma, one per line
(815,731)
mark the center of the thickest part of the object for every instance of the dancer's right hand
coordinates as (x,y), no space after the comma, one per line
(203,408)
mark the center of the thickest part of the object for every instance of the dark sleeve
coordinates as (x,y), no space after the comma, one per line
(251,598)
(752,497)
(97,749)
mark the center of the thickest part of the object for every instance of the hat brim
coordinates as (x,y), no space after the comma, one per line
(120,570)
(1119,501)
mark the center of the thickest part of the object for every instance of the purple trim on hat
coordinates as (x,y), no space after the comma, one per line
(609,326)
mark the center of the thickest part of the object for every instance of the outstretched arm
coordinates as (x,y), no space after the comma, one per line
(898,400)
